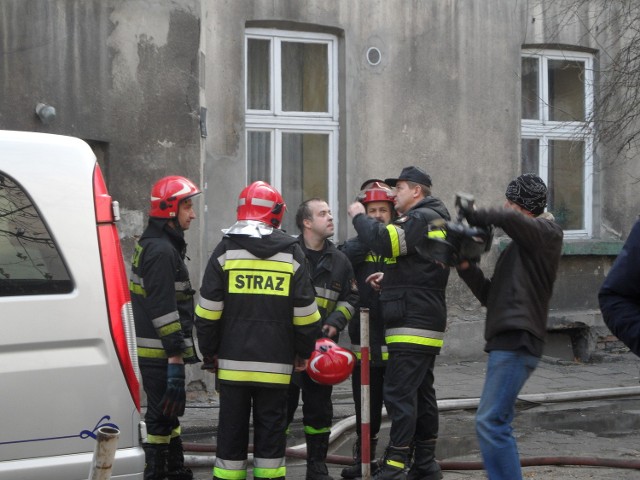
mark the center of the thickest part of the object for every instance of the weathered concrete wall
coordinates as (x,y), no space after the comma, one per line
(131,77)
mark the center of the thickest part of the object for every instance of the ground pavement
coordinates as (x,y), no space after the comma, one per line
(568,409)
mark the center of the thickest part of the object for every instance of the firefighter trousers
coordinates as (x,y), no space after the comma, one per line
(160,428)
(269,406)
(410,398)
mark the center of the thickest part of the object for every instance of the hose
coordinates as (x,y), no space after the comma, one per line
(299,451)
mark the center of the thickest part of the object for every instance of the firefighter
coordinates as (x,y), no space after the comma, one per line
(163,309)
(377,197)
(413,306)
(337,298)
(256,320)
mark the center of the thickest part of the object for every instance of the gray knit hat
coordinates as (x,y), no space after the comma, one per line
(529,191)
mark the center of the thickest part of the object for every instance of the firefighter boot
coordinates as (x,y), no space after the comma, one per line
(355,470)
(317,447)
(155,457)
(175,462)
(394,464)
(424,465)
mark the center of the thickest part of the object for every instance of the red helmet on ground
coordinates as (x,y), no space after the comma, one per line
(329,363)
(260,201)
(167,193)
(375,190)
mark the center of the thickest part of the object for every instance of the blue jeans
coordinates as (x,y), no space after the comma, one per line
(507,372)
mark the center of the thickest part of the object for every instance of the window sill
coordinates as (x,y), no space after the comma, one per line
(576,247)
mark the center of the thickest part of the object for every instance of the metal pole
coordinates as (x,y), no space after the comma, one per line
(365,404)
(104,453)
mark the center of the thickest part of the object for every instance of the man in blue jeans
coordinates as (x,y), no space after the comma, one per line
(517,300)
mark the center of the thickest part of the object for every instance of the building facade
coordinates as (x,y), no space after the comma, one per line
(317,96)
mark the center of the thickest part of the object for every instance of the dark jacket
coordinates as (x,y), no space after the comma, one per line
(517,296)
(364,263)
(620,293)
(413,288)
(161,295)
(335,285)
(257,309)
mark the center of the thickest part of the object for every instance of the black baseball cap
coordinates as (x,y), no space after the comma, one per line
(411,174)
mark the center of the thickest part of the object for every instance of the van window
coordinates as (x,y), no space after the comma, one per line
(30,263)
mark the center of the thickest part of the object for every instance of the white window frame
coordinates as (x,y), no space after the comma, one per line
(545,130)
(278,122)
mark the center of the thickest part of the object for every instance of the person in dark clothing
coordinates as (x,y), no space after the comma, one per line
(517,300)
(619,295)
(377,197)
(257,319)
(337,299)
(413,307)
(162,302)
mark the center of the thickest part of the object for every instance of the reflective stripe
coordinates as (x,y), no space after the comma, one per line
(269,467)
(383,352)
(150,348)
(209,309)
(346,309)
(306,315)
(181,286)
(316,431)
(395,464)
(439,233)
(230,469)
(137,289)
(234,259)
(158,439)
(398,241)
(167,319)
(260,372)
(372,258)
(415,336)
(328,305)
(327,293)
(176,432)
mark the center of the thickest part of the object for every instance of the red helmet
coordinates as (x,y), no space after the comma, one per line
(329,363)
(375,190)
(260,201)
(167,193)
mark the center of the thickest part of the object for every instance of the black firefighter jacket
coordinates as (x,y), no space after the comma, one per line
(257,309)
(413,288)
(517,296)
(161,296)
(365,262)
(335,285)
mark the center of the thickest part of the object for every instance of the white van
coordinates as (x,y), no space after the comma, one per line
(67,344)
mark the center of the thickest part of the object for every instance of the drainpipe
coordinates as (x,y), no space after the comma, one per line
(104,453)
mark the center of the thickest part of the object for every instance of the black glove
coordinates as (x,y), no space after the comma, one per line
(175,397)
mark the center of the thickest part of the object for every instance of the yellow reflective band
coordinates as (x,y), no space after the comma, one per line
(439,233)
(431,342)
(269,472)
(385,355)
(176,432)
(316,431)
(229,474)
(137,289)
(258,283)
(208,314)
(258,377)
(151,353)
(325,303)
(169,329)
(345,311)
(258,265)
(393,463)
(395,241)
(158,439)
(307,319)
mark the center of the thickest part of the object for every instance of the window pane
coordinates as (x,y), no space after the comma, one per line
(259,156)
(29,260)
(566,91)
(530,89)
(566,183)
(258,74)
(305,77)
(530,155)
(305,171)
